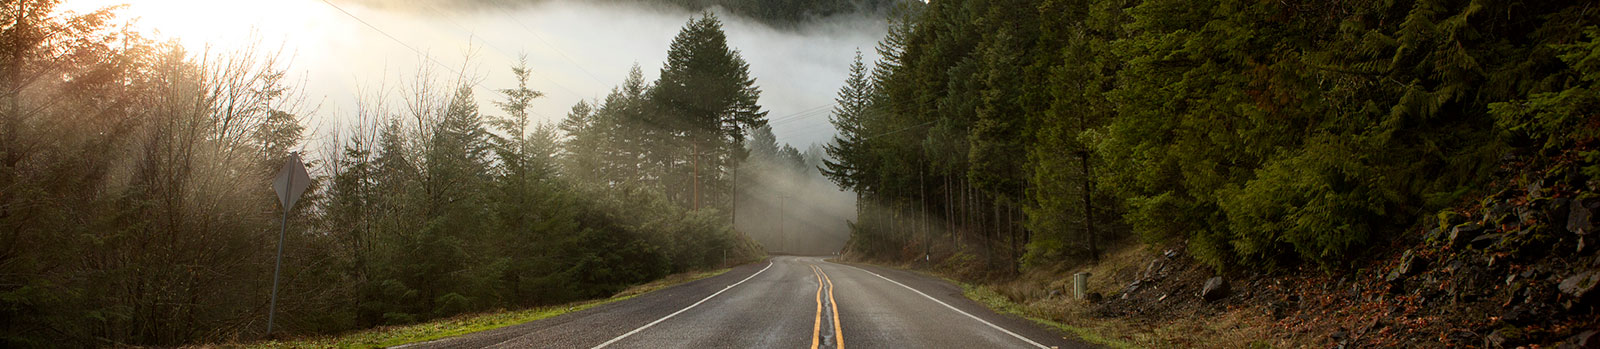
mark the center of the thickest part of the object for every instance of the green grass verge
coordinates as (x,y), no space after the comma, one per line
(463,324)
(989,298)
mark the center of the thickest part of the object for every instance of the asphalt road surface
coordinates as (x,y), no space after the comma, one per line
(785,302)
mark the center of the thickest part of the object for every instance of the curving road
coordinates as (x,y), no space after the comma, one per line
(785,302)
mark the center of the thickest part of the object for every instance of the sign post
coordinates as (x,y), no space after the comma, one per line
(292,181)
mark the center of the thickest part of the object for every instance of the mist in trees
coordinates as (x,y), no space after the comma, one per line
(137,207)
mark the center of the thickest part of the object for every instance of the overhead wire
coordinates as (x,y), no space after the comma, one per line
(421,53)
(501,51)
(552,47)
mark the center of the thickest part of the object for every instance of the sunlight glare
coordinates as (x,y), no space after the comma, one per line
(223,24)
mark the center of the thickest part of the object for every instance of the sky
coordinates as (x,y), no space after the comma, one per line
(577,50)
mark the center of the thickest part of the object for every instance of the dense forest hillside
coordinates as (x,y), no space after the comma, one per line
(1265,134)
(1255,136)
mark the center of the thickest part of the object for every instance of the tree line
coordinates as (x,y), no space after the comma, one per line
(1258,134)
(135,201)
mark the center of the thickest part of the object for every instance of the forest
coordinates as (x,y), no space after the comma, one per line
(137,209)
(1261,135)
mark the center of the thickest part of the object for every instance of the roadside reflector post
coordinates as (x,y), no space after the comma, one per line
(1080,285)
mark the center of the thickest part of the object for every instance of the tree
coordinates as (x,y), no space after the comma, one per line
(848,152)
(705,100)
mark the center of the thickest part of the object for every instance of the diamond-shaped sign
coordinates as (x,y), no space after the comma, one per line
(291,182)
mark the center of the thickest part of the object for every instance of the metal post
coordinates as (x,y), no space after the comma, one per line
(272,306)
(783,239)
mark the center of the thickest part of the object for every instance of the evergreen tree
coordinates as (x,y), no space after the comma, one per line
(704,101)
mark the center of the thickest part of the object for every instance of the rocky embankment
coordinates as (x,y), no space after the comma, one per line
(1516,268)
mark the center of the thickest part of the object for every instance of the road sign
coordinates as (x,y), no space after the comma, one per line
(291,182)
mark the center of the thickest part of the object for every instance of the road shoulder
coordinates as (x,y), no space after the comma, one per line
(984,304)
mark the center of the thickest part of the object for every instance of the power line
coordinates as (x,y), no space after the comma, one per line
(419,52)
(796,115)
(502,51)
(552,47)
(899,130)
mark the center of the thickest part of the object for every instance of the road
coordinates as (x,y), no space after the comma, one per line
(785,302)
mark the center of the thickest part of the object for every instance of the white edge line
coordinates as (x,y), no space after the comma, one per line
(935,300)
(669,316)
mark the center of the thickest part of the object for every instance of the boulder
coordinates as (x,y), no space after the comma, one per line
(1410,264)
(1462,233)
(1518,315)
(1580,285)
(1433,234)
(1155,268)
(1486,240)
(1578,219)
(1215,288)
(1557,209)
(1504,337)
(1497,210)
(1585,340)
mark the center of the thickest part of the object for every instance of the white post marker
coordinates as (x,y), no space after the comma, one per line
(292,181)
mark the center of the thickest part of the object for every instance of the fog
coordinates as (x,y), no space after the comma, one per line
(789,207)
(580,50)
(345,51)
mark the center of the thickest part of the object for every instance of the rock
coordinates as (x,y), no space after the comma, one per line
(1215,288)
(1486,240)
(1154,268)
(1338,336)
(1527,217)
(1279,310)
(1094,297)
(1518,315)
(1580,285)
(1410,264)
(1557,209)
(1586,340)
(1498,210)
(1536,189)
(1460,336)
(1462,233)
(1055,293)
(1578,219)
(1505,336)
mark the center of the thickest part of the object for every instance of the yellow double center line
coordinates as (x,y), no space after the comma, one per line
(816,327)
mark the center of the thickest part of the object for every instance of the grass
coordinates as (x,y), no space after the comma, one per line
(388,336)
(989,298)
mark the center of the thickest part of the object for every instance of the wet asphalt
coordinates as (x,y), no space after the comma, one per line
(783,302)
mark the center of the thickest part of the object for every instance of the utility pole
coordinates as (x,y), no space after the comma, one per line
(927,234)
(733,208)
(783,238)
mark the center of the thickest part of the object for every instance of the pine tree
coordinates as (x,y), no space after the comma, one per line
(705,100)
(848,152)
